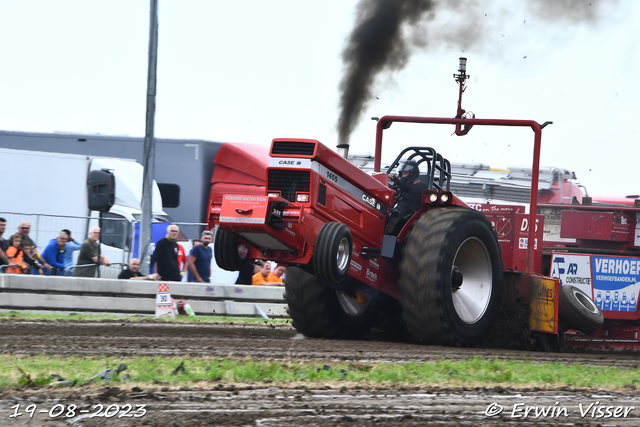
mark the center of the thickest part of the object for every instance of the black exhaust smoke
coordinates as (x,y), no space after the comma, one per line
(385,34)
(376,44)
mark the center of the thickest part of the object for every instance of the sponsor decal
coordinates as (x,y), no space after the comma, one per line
(374,264)
(371,275)
(246,198)
(357,267)
(276,212)
(233,219)
(523,243)
(612,282)
(291,233)
(354,251)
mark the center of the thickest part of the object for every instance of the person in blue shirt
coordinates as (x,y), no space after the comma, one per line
(55,252)
(200,260)
(71,246)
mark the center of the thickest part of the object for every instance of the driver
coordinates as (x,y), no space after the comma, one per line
(408,191)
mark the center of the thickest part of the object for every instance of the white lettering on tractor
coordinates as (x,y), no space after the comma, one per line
(369,200)
(357,267)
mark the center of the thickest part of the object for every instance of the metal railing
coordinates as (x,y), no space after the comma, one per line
(91,270)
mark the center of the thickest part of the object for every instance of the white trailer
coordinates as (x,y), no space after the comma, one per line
(50,191)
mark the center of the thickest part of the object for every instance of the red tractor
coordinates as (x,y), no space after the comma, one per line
(352,250)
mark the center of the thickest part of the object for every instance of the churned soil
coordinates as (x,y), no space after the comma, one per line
(263,404)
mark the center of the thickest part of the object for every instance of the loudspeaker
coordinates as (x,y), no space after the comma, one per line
(102,190)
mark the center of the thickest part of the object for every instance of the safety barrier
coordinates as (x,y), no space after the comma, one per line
(61,293)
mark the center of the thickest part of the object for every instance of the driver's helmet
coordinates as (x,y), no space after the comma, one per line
(411,167)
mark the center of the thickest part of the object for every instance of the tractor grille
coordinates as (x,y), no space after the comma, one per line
(288,182)
(293,147)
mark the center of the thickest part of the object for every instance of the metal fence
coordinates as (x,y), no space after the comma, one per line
(116,234)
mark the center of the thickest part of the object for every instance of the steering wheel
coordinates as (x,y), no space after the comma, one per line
(397,187)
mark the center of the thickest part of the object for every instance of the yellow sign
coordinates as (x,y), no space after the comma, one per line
(543,304)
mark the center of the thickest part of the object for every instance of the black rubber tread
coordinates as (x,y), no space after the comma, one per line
(425,276)
(225,251)
(575,313)
(326,249)
(315,311)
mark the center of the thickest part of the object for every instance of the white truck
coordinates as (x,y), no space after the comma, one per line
(50,191)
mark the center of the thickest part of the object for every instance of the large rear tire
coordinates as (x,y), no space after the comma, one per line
(332,252)
(225,250)
(322,310)
(451,277)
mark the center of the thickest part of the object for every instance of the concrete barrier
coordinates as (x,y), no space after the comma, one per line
(29,292)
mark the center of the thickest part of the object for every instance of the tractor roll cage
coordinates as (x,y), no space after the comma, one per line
(434,162)
(463,125)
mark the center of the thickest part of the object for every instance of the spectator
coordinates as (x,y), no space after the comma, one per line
(183,259)
(4,245)
(165,256)
(89,255)
(196,242)
(200,260)
(262,277)
(245,275)
(23,229)
(15,253)
(276,274)
(133,272)
(35,267)
(70,248)
(55,253)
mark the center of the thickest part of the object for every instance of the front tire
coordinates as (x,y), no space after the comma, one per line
(318,309)
(225,251)
(451,277)
(332,252)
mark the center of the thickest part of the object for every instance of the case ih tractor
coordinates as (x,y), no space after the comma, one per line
(445,267)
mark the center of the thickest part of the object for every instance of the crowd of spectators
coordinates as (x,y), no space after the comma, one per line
(19,255)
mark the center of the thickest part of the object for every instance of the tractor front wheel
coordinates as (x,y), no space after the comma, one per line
(332,252)
(451,277)
(322,310)
(225,251)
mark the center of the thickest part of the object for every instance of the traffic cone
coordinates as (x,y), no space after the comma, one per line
(165,306)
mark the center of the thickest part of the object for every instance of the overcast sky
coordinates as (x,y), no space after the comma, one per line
(254,70)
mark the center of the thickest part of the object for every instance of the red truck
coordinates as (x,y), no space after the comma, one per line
(453,272)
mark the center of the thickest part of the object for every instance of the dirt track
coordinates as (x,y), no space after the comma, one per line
(228,404)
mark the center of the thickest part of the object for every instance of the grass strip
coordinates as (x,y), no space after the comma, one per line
(18,370)
(28,315)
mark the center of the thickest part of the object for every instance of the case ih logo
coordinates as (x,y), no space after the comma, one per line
(290,162)
(370,201)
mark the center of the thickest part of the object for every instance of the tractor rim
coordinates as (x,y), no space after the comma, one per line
(471,298)
(350,305)
(342,257)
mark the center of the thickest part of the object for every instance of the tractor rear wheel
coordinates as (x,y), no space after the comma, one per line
(225,251)
(451,277)
(332,252)
(318,309)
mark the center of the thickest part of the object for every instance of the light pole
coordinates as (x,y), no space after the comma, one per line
(149,142)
